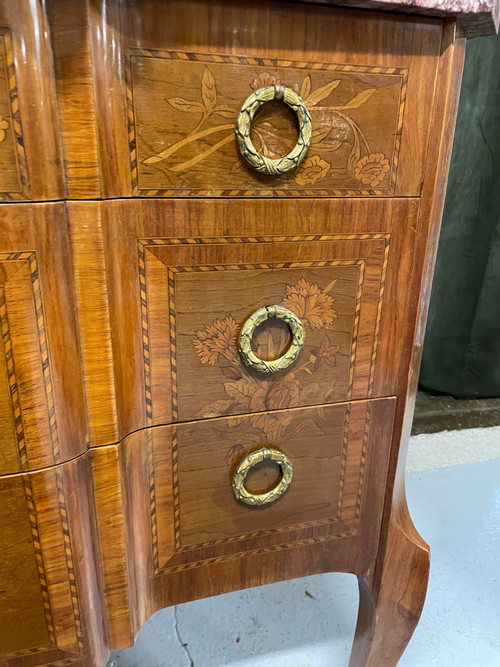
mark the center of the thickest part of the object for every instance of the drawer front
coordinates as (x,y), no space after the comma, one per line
(178,301)
(42,413)
(327,449)
(166,106)
(183,521)
(29,152)
(356,117)
(333,285)
(47,570)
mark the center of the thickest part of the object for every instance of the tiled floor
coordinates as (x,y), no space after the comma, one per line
(310,622)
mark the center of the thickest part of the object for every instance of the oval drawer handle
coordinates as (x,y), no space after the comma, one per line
(247,112)
(249,357)
(244,467)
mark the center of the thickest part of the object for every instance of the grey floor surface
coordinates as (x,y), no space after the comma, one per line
(453,489)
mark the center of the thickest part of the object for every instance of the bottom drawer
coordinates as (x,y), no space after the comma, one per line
(50,605)
(171,495)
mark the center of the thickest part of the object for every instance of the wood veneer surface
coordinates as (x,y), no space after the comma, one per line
(160,88)
(50,611)
(140,489)
(384,591)
(475,18)
(42,413)
(269,248)
(30,164)
(135,542)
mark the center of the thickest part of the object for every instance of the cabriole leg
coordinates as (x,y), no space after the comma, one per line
(391,600)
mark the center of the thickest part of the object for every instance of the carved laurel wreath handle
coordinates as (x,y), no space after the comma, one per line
(244,467)
(250,359)
(243,124)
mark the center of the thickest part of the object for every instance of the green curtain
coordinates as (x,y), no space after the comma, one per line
(461,355)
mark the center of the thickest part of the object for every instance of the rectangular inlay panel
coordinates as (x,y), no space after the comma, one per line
(37,572)
(194,513)
(29,437)
(197,293)
(181,276)
(42,413)
(183,109)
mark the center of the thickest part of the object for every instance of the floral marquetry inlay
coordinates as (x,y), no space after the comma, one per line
(324,297)
(313,305)
(182,128)
(250,393)
(196,300)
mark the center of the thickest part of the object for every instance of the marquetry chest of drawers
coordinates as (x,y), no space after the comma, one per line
(218,227)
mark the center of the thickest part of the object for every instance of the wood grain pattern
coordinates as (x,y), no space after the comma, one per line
(357,119)
(250,546)
(29,145)
(143,299)
(372,138)
(391,599)
(325,494)
(91,292)
(12,154)
(111,508)
(41,392)
(276,234)
(47,570)
(71,41)
(336,300)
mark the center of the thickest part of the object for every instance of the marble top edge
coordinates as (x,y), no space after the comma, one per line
(476,18)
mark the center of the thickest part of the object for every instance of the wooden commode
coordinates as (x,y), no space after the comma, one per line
(219,222)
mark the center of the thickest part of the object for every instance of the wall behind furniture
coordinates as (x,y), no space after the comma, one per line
(461,353)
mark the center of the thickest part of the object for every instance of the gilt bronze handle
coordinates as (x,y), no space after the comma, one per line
(249,357)
(248,463)
(247,112)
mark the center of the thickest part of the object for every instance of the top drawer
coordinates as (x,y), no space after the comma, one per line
(29,151)
(167,100)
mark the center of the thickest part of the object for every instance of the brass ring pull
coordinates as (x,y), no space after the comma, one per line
(243,123)
(249,357)
(247,464)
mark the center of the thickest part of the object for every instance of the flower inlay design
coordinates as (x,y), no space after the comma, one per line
(270,398)
(217,339)
(335,132)
(265,79)
(279,394)
(313,305)
(312,169)
(371,169)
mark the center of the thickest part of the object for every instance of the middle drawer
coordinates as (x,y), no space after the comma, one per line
(332,284)
(182,282)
